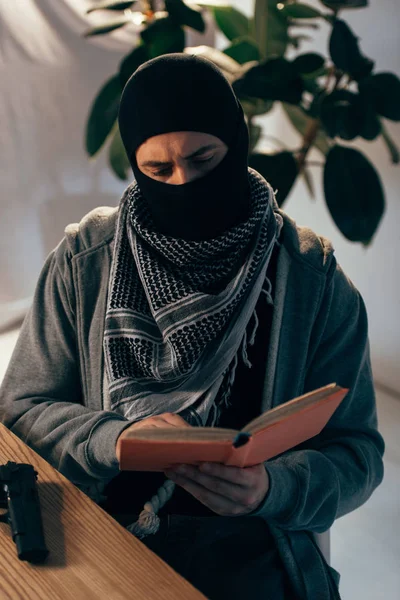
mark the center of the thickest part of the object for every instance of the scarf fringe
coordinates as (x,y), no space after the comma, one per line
(256,324)
(268,292)
(245,357)
(149,289)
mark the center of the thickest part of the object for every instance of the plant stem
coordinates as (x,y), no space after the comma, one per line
(393,150)
(308,140)
(313,125)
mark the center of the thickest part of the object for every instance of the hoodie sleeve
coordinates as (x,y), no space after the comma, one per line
(41,395)
(336,471)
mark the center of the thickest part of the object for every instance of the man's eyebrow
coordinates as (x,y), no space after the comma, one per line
(198,152)
(156,163)
(201,150)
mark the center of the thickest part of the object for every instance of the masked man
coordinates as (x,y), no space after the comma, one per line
(198,303)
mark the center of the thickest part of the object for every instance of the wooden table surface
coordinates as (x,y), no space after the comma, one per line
(91,556)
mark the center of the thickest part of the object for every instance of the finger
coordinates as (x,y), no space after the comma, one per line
(146,424)
(233,492)
(174,419)
(238,475)
(219,504)
(151,423)
(162,421)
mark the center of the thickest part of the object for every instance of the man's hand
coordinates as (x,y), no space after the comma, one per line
(163,420)
(228,491)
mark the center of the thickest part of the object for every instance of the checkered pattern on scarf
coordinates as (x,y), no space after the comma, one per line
(170,300)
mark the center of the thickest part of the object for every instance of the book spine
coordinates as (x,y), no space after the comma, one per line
(238,455)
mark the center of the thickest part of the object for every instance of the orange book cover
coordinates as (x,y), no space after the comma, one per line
(270,434)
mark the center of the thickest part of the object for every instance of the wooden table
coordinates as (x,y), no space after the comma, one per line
(91,556)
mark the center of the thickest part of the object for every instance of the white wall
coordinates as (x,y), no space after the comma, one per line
(375,270)
(49,77)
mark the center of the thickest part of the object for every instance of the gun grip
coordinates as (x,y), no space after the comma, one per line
(25,517)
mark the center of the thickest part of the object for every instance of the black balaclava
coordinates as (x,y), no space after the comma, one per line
(181,92)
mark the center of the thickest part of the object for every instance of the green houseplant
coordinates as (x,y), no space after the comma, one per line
(329,100)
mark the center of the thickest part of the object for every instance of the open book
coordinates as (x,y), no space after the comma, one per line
(270,434)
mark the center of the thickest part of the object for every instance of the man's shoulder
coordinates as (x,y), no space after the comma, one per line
(305,246)
(94,230)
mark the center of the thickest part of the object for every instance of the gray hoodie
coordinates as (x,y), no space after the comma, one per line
(55,399)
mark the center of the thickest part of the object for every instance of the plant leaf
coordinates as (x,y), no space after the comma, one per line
(309,63)
(131,62)
(298,10)
(341,4)
(231,22)
(103,114)
(117,157)
(254,107)
(279,169)
(111,6)
(299,120)
(339,114)
(107,27)
(391,146)
(311,85)
(243,50)
(185,15)
(383,91)
(274,79)
(270,28)
(370,123)
(163,36)
(348,115)
(345,52)
(353,193)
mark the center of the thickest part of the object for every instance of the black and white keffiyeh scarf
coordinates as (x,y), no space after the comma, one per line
(178,314)
(172,334)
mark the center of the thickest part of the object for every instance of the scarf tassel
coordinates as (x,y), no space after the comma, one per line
(268,292)
(148,522)
(250,342)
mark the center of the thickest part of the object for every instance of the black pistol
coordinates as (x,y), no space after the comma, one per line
(18,493)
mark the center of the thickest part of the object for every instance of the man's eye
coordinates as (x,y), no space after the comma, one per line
(163,172)
(168,170)
(203,160)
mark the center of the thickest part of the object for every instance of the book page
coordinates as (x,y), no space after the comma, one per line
(292,430)
(184,434)
(291,407)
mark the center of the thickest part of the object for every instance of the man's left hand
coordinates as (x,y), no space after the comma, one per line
(228,491)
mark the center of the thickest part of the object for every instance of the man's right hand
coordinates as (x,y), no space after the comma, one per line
(163,420)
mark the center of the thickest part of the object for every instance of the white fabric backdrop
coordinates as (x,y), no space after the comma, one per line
(49,77)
